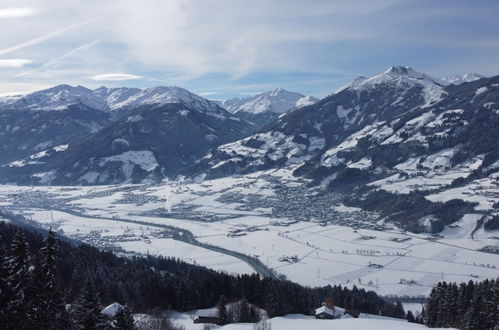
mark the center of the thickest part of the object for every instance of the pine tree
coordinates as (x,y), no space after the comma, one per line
(18,279)
(124,320)
(274,303)
(410,317)
(244,311)
(5,290)
(49,308)
(222,311)
(399,310)
(88,310)
(472,317)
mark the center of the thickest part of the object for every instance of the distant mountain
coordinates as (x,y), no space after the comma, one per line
(401,132)
(147,144)
(104,99)
(25,131)
(37,122)
(467,77)
(266,107)
(55,98)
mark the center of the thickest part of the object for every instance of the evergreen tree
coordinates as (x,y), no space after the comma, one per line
(18,278)
(5,290)
(274,303)
(49,306)
(123,320)
(88,310)
(244,311)
(410,317)
(222,311)
(399,310)
(472,317)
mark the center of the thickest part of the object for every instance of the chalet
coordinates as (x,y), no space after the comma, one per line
(328,310)
(111,310)
(207,316)
(324,312)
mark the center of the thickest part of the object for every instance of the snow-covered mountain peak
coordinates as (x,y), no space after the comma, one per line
(399,70)
(58,98)
(457,79)
(401,78)
(104,98)
(276,101)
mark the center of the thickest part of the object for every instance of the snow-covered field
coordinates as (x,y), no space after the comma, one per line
(299,322)
(314,253)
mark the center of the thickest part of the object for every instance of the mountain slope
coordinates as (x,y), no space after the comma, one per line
(400,131)
(266,107)
(25,132)
(105,99)
(308,131)
(467,77)
(149,143)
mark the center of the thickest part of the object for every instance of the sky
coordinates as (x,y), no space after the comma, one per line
(234,48)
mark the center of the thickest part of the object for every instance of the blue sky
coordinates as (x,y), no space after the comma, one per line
(221,49)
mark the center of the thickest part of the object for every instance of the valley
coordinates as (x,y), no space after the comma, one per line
(268,222)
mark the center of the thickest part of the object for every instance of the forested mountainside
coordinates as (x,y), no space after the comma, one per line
(40,271)
(398,135)
(148,143)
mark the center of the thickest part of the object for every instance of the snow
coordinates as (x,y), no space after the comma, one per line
(341,112)
(329,254)
(108,99)
(403,78)
(362,164)
(278,101)
(480,90)
(467,77)
(111,310)
(143,158)
(300,322)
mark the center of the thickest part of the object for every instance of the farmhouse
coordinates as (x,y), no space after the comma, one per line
(207,316)
(328,310)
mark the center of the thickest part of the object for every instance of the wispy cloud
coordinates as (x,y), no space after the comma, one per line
(207,93)
(250,93)
(16,12)
(14,63)
(44,37)
(115,77)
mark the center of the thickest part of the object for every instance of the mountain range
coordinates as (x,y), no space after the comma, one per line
(263,108)
(401,143)
(400,140)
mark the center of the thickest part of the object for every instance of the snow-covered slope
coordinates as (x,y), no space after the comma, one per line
(147,144)
(400,131)
(55,98)
(400,79)
(276,101)
(124,98)
(467,77)
(264,108)
(103,98)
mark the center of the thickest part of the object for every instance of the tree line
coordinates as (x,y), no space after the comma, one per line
(51,282)
(470,306)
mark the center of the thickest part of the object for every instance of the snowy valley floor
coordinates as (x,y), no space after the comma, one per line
(338,245)
(300,322)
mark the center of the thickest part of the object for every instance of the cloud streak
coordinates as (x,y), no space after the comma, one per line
(115,77)
(14,63)
(16,12)
(44,38)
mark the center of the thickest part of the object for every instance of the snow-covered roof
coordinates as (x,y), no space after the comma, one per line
(112,309)
(212,312)
(336,312)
